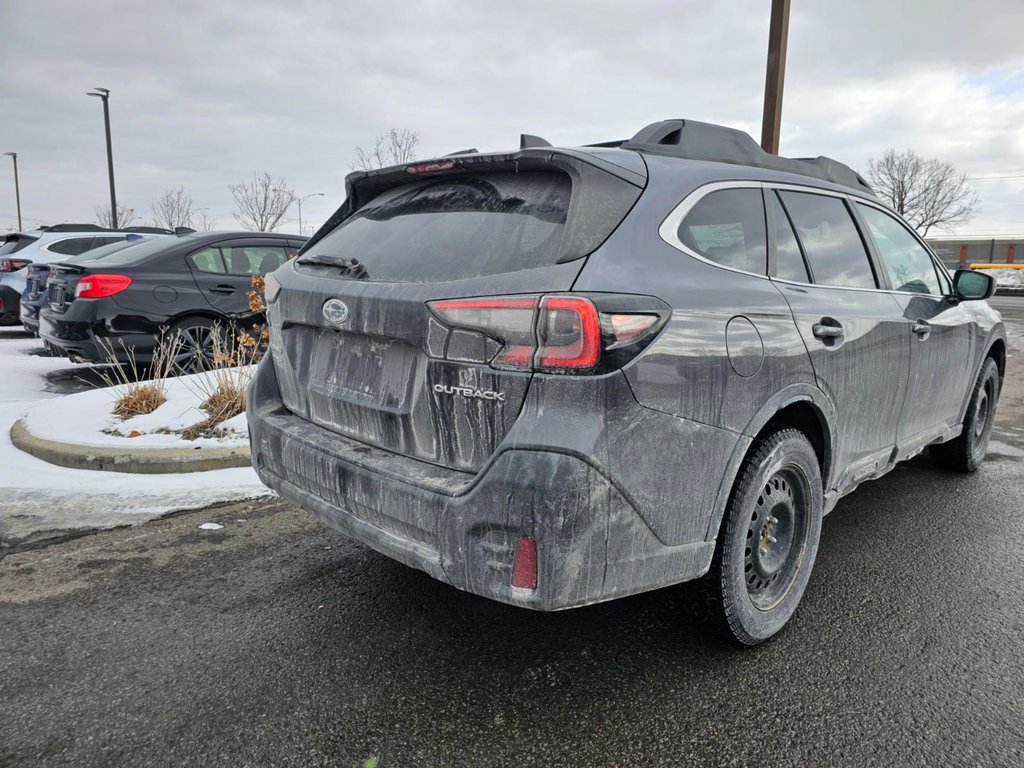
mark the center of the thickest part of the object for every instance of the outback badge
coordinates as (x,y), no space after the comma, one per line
(335,311)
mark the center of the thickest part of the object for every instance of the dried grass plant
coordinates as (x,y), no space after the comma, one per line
(138,389)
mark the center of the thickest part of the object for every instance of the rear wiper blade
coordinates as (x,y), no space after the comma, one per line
(349,267)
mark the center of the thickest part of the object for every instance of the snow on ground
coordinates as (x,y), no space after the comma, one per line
(85,419)
(35,495)
(1007,278)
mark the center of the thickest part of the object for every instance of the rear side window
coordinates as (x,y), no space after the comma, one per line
(908,264)
(456,228)
(727,227)
(72,246)
(835,252)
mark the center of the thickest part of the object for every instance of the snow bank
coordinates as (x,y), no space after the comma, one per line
(85,418)
(1007,278)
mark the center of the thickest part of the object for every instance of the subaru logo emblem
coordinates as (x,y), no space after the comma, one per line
(335,311)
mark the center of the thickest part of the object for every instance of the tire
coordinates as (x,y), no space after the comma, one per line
(195,352)
(966,452)
(768,540)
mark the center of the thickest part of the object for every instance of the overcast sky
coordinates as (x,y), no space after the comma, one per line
(204,93)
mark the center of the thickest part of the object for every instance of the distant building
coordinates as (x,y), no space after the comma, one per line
(961,251)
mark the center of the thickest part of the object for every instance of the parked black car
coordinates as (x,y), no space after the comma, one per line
(37,275)
(558,376)
(187,284)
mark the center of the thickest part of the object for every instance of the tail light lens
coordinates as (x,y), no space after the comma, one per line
(13,265)
(101,286)
(558,333)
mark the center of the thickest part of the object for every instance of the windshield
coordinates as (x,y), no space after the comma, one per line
(453,228)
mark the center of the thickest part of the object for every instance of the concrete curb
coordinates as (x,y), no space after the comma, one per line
(144,461)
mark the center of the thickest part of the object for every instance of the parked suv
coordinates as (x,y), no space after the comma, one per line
(189,284)
(45,245)
(558,376)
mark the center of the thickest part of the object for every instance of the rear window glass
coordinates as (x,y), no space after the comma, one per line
(456,228)
(103,251)
(727,227)
(142,251)
(15,244)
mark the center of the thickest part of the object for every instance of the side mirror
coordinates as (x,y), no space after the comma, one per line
(970,285)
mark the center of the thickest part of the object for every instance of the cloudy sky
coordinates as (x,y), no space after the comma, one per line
(205,93)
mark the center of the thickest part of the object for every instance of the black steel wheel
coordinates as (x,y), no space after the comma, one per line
(768,540)
(966,452)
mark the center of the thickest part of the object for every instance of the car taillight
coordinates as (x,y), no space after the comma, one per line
(557,333)
(101,286)
(13,265)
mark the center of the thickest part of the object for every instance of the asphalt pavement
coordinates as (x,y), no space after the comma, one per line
(273,641)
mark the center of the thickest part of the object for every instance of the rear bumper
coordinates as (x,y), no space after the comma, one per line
(463,528)
(81,333)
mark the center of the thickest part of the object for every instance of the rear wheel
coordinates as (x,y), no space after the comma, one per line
(194,339)
(966,452)
(768,540)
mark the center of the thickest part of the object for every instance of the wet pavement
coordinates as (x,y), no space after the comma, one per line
(273,641)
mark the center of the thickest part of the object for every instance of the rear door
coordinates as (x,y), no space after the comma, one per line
(358,351)
(854,332)
(941,332)
(223,271)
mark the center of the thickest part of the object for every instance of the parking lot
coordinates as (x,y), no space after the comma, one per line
(276,641)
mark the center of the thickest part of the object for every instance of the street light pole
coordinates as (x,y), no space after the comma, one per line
(17,191)
(299,200)
(104,93)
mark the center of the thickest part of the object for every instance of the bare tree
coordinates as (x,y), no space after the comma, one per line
(395,147)
(125,216)
(927,192)
(261,202)
(204,222)
(173,209)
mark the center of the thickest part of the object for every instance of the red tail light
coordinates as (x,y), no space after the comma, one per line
(524,569)
(555,333)
(13,265)
(101,286)
(439,165)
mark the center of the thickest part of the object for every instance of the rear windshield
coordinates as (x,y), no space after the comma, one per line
(455,228)
(15,244)
(105,250)
(136,253)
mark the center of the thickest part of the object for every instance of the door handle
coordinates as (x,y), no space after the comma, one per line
(922,329)
(827,330)
(226,290)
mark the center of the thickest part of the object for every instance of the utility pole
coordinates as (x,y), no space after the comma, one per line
(778,32)
(104,93)
(17,190)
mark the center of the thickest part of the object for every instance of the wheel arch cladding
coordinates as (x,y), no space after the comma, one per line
(797,410)
(997,351)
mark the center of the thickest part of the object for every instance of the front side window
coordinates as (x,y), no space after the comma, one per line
(727,227)
(908,264)
(834,249)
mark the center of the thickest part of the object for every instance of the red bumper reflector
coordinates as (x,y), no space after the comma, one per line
(524,570)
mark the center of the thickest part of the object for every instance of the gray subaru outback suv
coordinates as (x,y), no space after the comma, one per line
(558,376)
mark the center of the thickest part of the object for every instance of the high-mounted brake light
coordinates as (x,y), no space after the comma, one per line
(441,165)
(101,286)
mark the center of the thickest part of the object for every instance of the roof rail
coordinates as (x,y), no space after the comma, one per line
(705,141)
